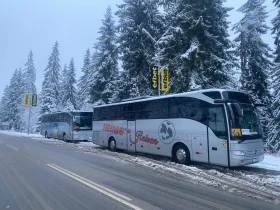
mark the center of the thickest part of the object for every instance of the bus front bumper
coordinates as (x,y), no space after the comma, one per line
(83,137)
(236,160)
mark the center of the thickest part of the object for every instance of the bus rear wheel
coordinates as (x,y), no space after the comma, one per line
(181,154)
(112,144)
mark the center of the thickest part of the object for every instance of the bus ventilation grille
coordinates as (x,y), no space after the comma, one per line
(95,137)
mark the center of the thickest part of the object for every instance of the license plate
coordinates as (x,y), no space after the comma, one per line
(255,160)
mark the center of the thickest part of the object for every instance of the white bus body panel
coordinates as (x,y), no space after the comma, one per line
(155,136)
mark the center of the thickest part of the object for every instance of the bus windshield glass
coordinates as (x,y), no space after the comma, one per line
(247,122)
(82,121)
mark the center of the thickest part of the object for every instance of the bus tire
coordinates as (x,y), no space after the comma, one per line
(64,137)
(112,144)
(181,154)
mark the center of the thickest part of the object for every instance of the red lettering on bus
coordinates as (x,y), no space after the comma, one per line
(139,136)
(113,129)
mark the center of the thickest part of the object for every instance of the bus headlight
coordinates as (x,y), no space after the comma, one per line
(238,153)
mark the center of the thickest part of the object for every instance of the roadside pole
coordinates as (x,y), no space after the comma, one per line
(28,103)
(9,119)
(29,119)
(159,80)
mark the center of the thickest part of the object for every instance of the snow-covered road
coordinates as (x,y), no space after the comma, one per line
(262,184)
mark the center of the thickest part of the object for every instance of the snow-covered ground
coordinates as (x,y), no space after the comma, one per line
(259,184)
(13,133)
(271,162)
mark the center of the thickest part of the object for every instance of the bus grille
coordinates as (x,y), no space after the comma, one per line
(95,137)
(256,152)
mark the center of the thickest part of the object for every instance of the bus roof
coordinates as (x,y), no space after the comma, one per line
(197,94)
(74,111)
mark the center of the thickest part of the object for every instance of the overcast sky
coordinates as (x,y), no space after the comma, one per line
(36,25)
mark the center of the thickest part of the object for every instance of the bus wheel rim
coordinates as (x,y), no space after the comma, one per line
(112,144)
(181,155)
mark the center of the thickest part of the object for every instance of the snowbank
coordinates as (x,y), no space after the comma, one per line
(14,133)
(271,162)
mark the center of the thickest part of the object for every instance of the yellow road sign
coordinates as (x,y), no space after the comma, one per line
(26,99)
(164,79)
(154,77)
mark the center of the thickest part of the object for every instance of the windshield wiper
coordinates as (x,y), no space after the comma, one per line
(240,141)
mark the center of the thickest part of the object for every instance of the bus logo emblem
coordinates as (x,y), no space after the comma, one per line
(166,132)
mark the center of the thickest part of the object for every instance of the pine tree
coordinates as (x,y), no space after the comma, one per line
(105,61)
(5,105)
(254,54)
(274,126)
(195,46)
(139,27)
(122,91)
(30,75)
(69,89)
(13,96)
(63,87)
(84,82)
(22,111)
(50,87)
(16,91)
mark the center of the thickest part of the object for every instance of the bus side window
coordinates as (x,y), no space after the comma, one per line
(60,117)
(217,121)
(96,114)
(128,112)
(114,112)
(138,108)
(145,111)
(156,109)
(103,113)
(204,112)
(173,108)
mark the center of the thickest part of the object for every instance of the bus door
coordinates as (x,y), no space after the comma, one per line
(217,135)
(55,130)
(130,138)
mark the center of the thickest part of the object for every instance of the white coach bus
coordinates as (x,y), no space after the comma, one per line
(68,126)
(213,126)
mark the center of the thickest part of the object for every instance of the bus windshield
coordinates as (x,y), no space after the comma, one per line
(82,121)
(247,123)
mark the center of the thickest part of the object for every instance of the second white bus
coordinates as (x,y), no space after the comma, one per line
(68,126)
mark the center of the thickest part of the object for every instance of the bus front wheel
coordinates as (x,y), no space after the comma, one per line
(46,135)
(112,144)
(181,154)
